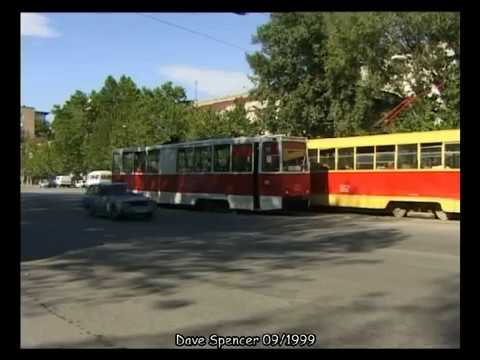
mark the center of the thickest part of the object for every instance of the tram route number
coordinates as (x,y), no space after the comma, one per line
(268,340)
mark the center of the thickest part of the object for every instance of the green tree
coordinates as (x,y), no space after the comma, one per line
(232,122)
(42,128)
(338,73)
(69,130)
(289,74)
(39,159)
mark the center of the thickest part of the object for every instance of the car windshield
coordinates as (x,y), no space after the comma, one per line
(117,189)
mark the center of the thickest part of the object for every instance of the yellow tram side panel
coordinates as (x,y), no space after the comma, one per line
(380,202)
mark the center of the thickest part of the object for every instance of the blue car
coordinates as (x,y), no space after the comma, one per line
(116,201)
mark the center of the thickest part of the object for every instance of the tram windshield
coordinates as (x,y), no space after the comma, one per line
(294,156)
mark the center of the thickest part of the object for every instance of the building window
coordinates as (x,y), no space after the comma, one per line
(407,156)
(365,155)
(345,159)
(452,156)
(270,157)
(221,158)
(431,155)
(242,158)
(385,157)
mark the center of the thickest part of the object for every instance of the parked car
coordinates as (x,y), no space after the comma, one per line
(46,183)
(99,177)
(115,201)
(63,181)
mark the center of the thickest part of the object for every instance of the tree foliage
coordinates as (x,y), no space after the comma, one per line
(87,127)
(317,74)
(326,74)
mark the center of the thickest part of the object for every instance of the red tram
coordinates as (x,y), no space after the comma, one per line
(248,173)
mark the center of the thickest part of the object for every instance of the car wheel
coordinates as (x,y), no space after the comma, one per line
(91,211)
(148,216)
(113,212)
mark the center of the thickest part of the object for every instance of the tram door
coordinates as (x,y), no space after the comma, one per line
(256,198)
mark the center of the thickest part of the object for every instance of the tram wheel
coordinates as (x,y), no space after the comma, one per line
(442,215)
(399,212)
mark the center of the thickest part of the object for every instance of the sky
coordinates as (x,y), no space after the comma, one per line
(65,52)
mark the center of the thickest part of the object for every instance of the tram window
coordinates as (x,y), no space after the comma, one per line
(345,159)
(185,160)
(242,158)
(127,165)
(152,161)
(407,156)
(116,163)
(189,159)
(385,157)
(431,155)
(221,158)
(181,160)
(294,155)
(327,159)
(203,159)
(270,157)
(364,157)
(313,158)
(139,161)
(452,156)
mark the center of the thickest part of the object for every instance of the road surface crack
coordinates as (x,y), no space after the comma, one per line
(100,339)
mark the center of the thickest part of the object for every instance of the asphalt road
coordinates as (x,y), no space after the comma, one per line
(353,280)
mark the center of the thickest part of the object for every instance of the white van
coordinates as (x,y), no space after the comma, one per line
(99,177)
(63,181)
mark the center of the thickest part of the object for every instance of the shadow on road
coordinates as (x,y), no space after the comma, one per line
(430,322)
(152,257)
(136,258)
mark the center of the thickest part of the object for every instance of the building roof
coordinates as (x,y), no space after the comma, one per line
(32,108)
(222,99)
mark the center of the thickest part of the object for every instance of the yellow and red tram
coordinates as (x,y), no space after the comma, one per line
(396,172)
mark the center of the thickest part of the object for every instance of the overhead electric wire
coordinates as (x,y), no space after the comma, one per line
(192,31)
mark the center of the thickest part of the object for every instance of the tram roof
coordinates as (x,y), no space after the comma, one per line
(237,140)
(387,139)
